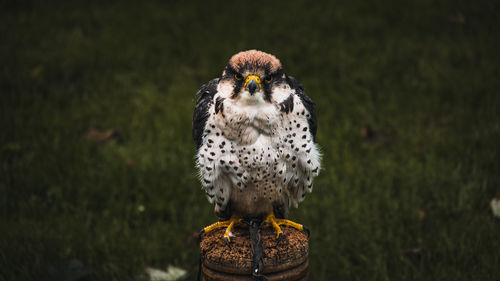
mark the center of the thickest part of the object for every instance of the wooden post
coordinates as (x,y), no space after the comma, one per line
(284,259)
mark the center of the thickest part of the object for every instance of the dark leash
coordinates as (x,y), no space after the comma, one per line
(254,226)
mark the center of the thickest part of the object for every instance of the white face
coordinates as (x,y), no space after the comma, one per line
(271,89)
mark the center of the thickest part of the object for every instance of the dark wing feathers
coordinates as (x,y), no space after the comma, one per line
(205,96)
(308,104)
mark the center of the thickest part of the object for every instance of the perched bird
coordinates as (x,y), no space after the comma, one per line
(254,129)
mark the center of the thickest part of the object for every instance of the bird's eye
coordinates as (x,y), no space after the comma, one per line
(238,76)
(269,79)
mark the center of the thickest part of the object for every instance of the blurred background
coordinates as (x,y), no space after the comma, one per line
(97,176)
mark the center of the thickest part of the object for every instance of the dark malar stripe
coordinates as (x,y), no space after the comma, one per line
(237,89)
(286,106)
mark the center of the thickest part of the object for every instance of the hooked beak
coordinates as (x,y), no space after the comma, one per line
(252,83)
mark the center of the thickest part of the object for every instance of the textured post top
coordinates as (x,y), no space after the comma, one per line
(284,259)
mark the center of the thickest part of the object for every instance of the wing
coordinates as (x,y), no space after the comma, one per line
(205,96)
(304,161)
(308,104)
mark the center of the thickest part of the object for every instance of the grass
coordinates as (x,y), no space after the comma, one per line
(410,204)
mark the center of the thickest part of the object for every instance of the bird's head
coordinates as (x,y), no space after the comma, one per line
(251,76)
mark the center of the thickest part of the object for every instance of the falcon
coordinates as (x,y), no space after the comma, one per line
(254,129)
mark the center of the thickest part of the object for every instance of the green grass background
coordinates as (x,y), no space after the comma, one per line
(410,205)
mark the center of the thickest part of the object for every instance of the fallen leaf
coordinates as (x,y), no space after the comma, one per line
(12,147)
(173,273)
(36,71)
(495,207)
(101,137)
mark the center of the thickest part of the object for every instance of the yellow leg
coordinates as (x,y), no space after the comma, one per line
(221,224)
(272,220)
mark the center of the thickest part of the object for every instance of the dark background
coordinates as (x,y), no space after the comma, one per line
(96,156)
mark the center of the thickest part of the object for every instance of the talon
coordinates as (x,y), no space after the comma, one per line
(275,223)
(228,242)
(227,236)
(228,224)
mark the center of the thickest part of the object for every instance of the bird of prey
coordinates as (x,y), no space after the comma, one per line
(254,129)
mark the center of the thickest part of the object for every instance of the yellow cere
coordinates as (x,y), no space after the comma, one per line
(252,77)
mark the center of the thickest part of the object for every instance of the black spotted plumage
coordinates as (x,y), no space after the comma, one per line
(286,106)
(256,150)
(308,104)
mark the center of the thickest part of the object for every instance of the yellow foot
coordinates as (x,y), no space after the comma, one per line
(221,224)
(272,220)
